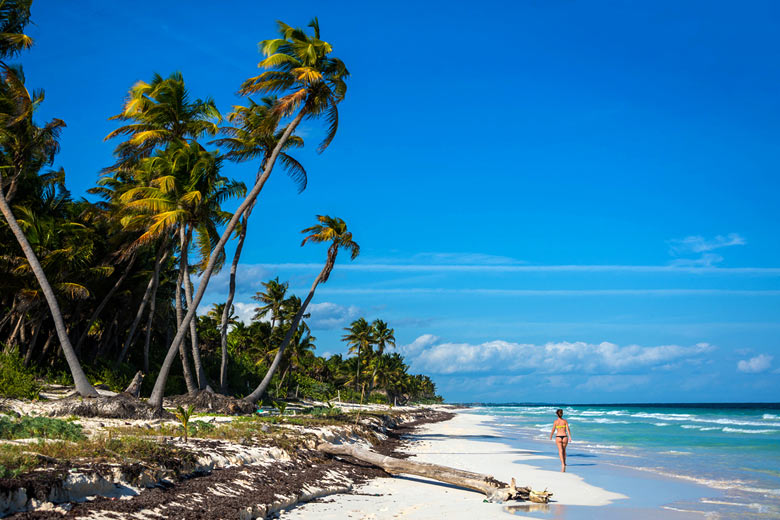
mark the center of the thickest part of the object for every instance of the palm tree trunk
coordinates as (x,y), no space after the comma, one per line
(152,309)
(199,372)
(231,294)
(192,388)
(12,338)
(36,329)
(161,256)
(260,390)
(103,304)
(357,376)
(159,385)
(83,387)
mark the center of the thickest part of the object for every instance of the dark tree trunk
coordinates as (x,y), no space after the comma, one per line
(103,304)
(83,386)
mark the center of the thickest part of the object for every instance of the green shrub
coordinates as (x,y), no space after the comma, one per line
(313,389)
(115,378)
(16,380)
(199,428)
(377,398)
(39,427)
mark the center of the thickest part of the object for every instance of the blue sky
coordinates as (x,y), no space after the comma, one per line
(558,201)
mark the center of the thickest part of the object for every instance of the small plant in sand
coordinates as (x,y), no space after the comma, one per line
(281,406)
(184,418)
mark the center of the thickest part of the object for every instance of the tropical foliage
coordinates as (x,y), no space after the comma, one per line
(94,290)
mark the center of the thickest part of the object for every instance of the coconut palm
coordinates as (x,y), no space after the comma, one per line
(272,299)
(312,83)
(360,339)
(331,230)
(186,195)
(14,17)
(160,113)
(253,137)
(383,337)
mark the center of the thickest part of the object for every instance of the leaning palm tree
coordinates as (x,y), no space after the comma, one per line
(253,137)
(360,338)
(330,229)
(18,131)
(313,84)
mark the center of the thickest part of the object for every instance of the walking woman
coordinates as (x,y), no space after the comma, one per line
(562,435)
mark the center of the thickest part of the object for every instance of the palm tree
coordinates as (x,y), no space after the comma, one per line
(14,17)
(332,230)
(272,299)
(253,137)
(161,112)
(383,337)
(186,195)
(360,338)
(313,83)
(40,142)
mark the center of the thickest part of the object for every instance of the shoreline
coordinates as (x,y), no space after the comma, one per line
(476,443)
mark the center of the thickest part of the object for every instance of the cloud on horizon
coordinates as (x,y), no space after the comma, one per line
(756,364)
(427,354)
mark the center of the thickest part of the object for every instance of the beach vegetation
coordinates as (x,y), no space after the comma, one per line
(32,427)
(17,380)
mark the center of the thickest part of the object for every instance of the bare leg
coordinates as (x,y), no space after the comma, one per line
(561,452)
(565,442)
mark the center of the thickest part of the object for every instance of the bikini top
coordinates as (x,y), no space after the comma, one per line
(559,426)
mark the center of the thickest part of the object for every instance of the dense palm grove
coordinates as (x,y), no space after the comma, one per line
(95,290)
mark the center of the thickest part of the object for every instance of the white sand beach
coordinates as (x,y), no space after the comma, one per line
(471,442)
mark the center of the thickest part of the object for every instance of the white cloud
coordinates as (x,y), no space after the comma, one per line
(244,311)
(755,365)
(699,244)
(418,345)
(705,260)
(328,315)
(428,355)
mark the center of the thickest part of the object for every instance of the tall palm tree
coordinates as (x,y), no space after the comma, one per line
(332,230)
(253,137)
(360,338)
(41,142)
(186,195)
(384,337)
(313,84)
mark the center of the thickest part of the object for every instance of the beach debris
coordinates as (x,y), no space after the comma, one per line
(134,388)
(494,490)
(120,406)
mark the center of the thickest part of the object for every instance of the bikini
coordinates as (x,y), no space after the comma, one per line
(558,427)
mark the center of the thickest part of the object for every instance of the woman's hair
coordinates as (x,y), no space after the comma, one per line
(559,413)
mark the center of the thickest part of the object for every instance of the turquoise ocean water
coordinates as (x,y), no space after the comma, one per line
(731,449)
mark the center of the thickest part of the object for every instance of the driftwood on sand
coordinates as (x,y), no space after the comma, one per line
(134,388)
(494,490)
